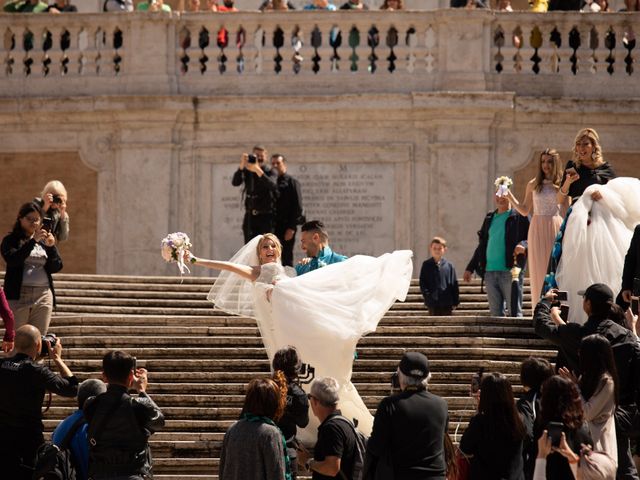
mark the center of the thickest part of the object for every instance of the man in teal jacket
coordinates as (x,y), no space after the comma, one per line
(315,243)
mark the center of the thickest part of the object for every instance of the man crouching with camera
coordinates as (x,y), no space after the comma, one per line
(23,383)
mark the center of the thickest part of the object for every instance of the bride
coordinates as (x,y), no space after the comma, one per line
(322,313)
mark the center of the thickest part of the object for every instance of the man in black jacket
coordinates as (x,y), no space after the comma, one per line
(23,383)
(260,191)
(289,212)
(598,305)
(502,239)
(409,428)
(631,269)
(120,425)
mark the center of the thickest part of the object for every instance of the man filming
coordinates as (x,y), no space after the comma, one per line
(23,383)
(260,190)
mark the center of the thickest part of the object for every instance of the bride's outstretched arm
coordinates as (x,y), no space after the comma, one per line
(245,271)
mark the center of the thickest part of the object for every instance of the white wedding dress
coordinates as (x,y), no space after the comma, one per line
(596,240)
(322,313)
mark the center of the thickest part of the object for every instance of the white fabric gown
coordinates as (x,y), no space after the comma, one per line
(322,313)
(596,240)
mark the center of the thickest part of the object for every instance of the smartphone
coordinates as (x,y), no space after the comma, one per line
(635,305)
(47,223)
(636,287)
(564,312)
(554,430)
(135,365)
(562,296)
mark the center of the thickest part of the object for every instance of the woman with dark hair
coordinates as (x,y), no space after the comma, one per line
(493,439)
(533,373)
(254,446)
(561,403)
(540,199)
(31,256)
(296,413)
(599,388)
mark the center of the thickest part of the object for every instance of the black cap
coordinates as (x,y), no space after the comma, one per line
(598,293)
(414,364)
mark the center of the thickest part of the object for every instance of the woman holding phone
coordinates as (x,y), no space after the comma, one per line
(593,240)
(31,256)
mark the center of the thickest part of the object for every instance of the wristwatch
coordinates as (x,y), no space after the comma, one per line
(309,464)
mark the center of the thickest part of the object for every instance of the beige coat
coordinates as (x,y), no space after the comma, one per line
(598,412)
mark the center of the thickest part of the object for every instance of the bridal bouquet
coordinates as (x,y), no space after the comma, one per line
(175,247)
(502,185)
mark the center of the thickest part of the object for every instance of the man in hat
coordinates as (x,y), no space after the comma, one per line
(598,301)
(409,427)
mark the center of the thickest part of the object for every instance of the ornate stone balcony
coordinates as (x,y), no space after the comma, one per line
(588,55)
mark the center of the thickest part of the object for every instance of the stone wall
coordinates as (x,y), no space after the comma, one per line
(388,157)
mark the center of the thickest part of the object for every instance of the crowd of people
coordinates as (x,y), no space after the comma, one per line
(65,6)
(577,419)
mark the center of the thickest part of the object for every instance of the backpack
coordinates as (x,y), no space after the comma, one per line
(359,453)
(55,462)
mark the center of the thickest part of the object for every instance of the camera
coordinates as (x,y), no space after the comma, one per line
(564,312)
(395,381)
(49,338)
(47,223)
(57,199)
(252,158)
(307,373)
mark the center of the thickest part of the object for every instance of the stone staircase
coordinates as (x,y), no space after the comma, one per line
(200,360)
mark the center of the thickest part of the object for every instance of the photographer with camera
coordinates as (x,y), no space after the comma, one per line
(23,383)
(32,257)
(120,424)
(54,207)
(260,191)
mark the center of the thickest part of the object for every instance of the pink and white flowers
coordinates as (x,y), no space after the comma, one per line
(175,247)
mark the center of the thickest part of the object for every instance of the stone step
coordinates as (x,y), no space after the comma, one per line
(434,352)
(464,366)
(252,331)
(223,319)
(373,340)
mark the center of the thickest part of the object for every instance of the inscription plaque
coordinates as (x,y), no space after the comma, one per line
(355,201)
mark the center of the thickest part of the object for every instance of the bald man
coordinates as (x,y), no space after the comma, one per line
(23,383)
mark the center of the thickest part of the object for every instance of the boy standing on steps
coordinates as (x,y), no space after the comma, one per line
(438,280)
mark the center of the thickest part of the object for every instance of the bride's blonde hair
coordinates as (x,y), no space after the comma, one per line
(591,135)
(274,239)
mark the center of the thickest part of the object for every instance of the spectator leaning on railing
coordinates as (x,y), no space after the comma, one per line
(25,6)
(62,6)
(118,6)
(153,6)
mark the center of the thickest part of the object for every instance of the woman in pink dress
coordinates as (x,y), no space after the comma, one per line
(541,197)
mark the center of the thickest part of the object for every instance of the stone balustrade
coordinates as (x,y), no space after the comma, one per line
(319,53)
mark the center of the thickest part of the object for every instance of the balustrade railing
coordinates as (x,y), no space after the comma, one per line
(315,52)
(565,44)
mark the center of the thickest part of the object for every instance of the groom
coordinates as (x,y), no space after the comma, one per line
(315,243)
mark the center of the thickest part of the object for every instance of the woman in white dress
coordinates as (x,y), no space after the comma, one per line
(322,313)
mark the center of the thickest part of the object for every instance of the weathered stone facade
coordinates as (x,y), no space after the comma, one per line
(142,144)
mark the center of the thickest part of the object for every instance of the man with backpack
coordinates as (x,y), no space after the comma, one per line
(409,428)
(71,433)
(336,454)
(23,383)
(120,424)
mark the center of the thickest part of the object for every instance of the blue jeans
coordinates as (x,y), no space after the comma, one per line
(517,289)
(498,286)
